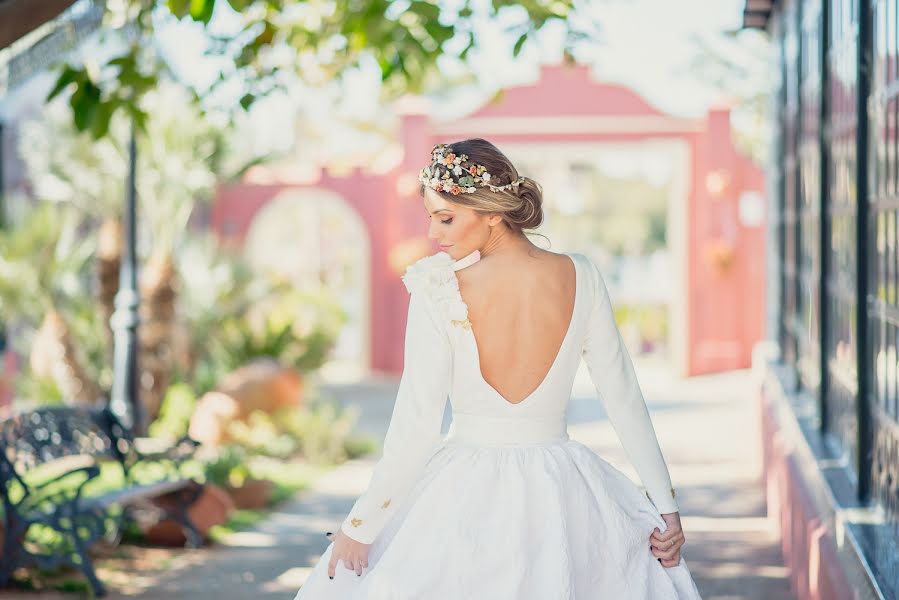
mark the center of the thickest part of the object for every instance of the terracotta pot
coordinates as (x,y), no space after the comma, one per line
(262,385)
(213,507)
(253,494)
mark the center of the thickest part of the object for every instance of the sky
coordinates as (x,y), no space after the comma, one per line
(648,47)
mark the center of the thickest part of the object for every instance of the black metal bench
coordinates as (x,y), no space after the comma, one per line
(67,445)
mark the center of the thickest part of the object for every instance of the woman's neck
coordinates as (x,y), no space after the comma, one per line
(505,243)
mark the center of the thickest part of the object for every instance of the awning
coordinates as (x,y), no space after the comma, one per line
(34,33)
(18,17)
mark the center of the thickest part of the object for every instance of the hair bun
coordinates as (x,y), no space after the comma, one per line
(529,215)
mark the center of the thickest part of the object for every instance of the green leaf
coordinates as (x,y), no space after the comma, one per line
(68,76)
(126,62)
(468,47)
(518,45)
(440,33)
(266,36)
(240,5)
(426,10)
(201,10)
(247,100)
(102,116)
(389,65)
(139,117)
(84,102)
(179,8)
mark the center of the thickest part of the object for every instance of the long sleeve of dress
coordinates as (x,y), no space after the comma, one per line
(414,428)
(613,375)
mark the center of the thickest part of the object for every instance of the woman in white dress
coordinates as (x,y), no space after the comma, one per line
(506,506)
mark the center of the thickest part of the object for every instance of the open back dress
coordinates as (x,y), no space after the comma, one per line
(506,506)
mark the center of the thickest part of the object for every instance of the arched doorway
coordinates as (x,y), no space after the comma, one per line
(314,236)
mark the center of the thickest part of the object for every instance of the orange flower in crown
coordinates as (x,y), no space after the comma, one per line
(454,173)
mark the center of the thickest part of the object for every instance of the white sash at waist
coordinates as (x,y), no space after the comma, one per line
(507,431)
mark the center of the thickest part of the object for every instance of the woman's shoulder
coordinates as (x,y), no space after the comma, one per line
(429,272)
(433,278)
(594,277)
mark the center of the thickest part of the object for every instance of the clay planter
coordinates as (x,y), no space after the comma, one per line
(262,385)
(213,507)
(254,494)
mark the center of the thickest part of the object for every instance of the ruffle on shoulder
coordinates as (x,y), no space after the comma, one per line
(434,276)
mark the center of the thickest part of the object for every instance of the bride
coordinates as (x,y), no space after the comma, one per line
(506,506)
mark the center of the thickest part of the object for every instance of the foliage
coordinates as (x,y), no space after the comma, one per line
(322,430)
(179,160)
(235,314)
(312,41)
(53,237)
(175,412)
(294,326)
(229,467)
(49,236)
(650,321)
(320,433)
(37,390)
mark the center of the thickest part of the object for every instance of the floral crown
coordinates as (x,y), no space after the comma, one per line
(454,173)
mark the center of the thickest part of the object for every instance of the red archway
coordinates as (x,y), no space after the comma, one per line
(716,213)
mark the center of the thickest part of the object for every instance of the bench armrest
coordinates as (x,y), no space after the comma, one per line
(90,470)
(179,451)
(39,495)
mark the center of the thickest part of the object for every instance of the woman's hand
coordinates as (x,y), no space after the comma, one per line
(353,553)
(666,546)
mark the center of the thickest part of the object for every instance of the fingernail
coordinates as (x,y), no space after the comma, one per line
(330,577)
(328,532)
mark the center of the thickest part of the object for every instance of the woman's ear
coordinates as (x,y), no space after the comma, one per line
(494,219)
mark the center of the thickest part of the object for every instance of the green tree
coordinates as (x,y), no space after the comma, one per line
(406,38)
(179,164)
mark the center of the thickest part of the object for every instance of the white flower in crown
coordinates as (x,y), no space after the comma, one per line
(434,275)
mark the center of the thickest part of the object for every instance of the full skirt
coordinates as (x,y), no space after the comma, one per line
(550,521)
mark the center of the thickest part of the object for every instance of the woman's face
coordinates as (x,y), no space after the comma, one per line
(458,230)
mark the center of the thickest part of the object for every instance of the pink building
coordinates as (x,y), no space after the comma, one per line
(553,129)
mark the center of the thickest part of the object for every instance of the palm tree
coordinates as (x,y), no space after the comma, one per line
(43,261)
(177,168)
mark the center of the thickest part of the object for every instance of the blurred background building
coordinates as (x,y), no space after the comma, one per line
(673,212)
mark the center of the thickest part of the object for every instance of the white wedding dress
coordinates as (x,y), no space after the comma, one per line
(506,506)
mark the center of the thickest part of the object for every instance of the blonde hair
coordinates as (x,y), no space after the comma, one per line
(521,208)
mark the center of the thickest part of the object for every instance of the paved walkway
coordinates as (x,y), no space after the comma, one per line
(708,429)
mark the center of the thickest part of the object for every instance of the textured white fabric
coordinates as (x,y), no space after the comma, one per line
(506,506)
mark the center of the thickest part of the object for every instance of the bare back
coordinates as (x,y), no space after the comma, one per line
(520,309)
